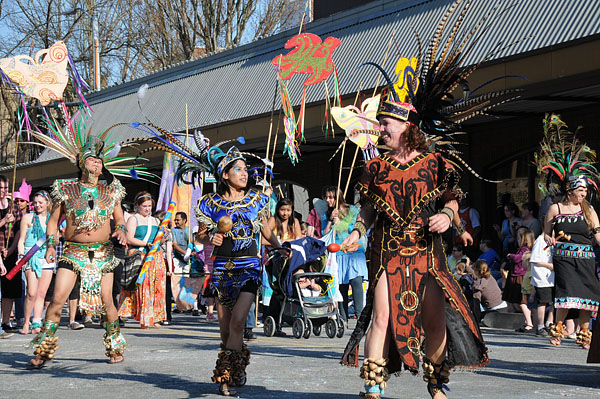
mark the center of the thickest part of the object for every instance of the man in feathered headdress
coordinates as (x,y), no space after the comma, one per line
(87,203)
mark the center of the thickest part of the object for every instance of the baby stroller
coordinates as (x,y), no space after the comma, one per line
(306,313)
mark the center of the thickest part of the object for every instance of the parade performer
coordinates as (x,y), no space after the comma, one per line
(87,203)
(409,197)
(231,219)
(570,226)
(237,271)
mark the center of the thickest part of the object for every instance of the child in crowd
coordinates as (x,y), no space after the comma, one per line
(465,280)
(487,296)
(303,229)
(285,226)
(491,257)
(542,278)
(516,274)
(308,286)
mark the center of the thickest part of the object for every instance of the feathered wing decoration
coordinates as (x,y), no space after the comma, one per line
(69,141)
(563,161)
(194,161)
(428,81)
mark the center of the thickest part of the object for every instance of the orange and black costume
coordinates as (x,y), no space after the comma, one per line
(405,196)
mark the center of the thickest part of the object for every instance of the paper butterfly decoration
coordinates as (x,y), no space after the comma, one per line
(360,125)
(45,81)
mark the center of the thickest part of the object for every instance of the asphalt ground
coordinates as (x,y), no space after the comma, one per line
(177,362)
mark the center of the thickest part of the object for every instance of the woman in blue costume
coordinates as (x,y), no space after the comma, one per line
(233,217)
(38,272)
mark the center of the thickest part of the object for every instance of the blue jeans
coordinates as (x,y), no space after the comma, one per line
(251,319)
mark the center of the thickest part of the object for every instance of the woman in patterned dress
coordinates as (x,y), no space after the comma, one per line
(146,303)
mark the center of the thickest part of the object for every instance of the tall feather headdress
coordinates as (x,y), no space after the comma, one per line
(195,161)
(563,161)
(423,94)
(75,142)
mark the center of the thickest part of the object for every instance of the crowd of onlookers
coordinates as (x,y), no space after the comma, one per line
(511,272)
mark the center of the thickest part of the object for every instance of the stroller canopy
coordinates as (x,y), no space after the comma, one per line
(305,250)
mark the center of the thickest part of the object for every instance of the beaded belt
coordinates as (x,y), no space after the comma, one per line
(570,250)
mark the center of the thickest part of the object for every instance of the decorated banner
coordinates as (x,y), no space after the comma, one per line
(184,195)
(310,56)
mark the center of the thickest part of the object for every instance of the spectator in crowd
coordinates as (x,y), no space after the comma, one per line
(319,216)
(10,221)
(486,292)
(469,220)
(206,291)
(529,218)
(517,268)
(181,235)
(507,233)
(146,303)
(490,257)
(37,271)
(465,280)
(457,256)
(542,278)
(3,334)
(352,265)
(286,228)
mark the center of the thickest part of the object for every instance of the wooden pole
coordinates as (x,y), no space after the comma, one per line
(384,60)
(351,170)
(271,130)
(12,194)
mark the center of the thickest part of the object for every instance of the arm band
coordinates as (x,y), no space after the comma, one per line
(51,241)
(360,227)
(448,212)
(121,227)
(460,230)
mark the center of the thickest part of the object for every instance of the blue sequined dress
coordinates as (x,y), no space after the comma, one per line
(236,262)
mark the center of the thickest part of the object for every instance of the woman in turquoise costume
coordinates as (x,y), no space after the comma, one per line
(233,217)
(38,272)
(146,303)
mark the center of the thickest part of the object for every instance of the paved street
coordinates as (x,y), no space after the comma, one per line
(177,362)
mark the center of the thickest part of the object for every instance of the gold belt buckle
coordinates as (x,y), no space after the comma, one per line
(229,265)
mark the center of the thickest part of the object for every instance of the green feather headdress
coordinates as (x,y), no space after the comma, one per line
(563,161)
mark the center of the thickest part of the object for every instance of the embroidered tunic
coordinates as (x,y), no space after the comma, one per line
(236,261)
(405,196)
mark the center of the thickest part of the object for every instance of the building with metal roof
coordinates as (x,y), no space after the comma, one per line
(557,52)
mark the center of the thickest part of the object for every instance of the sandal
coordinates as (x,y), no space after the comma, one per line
(225,391)
(584,338)
(370,395)
(37,362)
(115,358)
(524,328)
(557,333)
